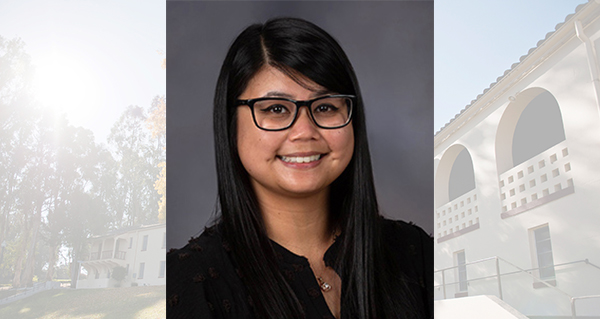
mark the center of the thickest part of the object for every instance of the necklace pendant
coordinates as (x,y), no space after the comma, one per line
(324,286)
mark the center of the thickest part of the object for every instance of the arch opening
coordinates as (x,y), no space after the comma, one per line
(462,177)
(539,127)
(454,175)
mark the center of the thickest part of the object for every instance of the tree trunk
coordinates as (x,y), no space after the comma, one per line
(30,264)
(8,205)
(75,266)
(22,250)
(3,226)
(53,241)
(51,261)
(19,265)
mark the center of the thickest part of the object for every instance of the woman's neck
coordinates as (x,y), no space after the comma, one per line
(300,224)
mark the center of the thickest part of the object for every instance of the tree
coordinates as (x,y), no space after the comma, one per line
(157,125)
(118,274)
(52,171)
(78,207)
(138,160)
(59,187)
(20,202)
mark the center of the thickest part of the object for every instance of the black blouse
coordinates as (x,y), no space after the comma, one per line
(203,281)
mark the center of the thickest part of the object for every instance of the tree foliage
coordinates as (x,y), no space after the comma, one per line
(59,187)
(157,124)
(138,160)
(119,273)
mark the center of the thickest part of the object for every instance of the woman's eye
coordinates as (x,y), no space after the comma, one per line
(323,108)
(276,109)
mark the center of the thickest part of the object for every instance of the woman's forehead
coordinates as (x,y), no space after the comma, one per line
(274,82)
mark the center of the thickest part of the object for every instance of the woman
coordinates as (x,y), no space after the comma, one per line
(299,234)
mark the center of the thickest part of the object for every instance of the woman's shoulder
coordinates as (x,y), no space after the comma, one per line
(201,251)
(409,244)
(201,278)
(401,232)
(410,250)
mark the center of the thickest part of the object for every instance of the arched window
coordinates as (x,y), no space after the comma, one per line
(454,175)
(457,207)
(531,124)
(462,178)
(532,153)
(539,127)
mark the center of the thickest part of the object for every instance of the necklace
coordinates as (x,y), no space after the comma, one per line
(322,283)
(324,286)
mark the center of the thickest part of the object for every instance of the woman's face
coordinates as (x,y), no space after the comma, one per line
(270,157)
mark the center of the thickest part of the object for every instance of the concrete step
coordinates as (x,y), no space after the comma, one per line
(475,307)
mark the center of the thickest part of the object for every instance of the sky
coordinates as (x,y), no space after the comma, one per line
(476,41)
(93,58)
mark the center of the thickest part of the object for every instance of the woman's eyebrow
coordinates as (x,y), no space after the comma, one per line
(322,92)
(278,94)
(315,94)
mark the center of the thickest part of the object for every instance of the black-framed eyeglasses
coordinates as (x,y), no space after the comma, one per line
(277,114)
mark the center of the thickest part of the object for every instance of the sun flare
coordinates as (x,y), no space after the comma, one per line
(64,83)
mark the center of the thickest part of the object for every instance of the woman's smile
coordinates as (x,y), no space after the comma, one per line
(300,158)
(303,161)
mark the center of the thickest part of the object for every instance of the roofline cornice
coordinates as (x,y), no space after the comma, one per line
(545,48)
(121,232)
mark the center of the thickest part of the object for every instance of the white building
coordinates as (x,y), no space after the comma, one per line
(141,251)
(517,181)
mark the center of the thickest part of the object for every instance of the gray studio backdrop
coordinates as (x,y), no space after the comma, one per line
(390,45)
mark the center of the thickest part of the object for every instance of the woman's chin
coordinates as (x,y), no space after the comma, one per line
(303,188)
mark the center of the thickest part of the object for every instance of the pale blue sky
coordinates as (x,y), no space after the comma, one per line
(476,41)
(97,57)
(111,46)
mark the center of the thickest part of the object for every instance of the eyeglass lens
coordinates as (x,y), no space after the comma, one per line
(329,112)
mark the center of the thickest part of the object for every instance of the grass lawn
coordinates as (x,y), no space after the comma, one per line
(108,303)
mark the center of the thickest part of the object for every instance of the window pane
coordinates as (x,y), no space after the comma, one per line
(161,271)
(462,271)
(141,272)
(543,246)
(145,243)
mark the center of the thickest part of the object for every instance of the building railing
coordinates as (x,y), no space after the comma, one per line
(459,216)
(498,276)
(543,178)
(107,254)
(120,255)
(573,299)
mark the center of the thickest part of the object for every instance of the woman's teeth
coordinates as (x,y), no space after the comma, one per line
(299,159)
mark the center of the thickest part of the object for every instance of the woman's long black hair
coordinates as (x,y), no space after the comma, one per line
(297,47)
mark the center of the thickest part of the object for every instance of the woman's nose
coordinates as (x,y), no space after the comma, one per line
(304,127)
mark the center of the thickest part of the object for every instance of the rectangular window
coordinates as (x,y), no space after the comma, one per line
(141,272)
(543,248)
(97,275)
(164,240)
(145,243)
(130,242)
(462,270)
(161,270)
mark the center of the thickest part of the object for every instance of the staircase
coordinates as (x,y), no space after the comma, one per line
(475,307)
